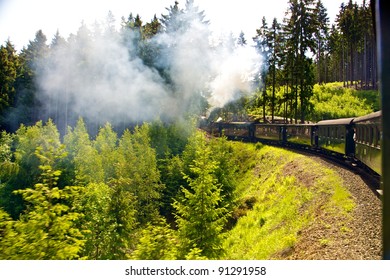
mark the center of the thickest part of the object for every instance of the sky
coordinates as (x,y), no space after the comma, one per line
(21,19)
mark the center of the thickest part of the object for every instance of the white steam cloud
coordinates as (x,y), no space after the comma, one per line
(236,69)
(101,77)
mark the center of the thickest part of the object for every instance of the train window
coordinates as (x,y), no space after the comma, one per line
(374,136)
(342,133)
(321,131)
(359,133)
(365,135)
(371,135)
(378,137)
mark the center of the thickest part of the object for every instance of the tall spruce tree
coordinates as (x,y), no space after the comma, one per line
(300,28)
(321,36)
(137,173)
(274,45)
(199,215)
(262,45)
(9,69)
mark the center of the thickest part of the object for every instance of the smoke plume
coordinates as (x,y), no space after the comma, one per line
(100,75)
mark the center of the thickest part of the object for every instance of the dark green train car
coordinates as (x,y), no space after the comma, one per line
(368,137)
(336,136)
(301,134)
(235,130)
(269,132)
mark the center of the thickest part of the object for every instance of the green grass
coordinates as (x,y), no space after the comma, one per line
(332,100)
(273,208)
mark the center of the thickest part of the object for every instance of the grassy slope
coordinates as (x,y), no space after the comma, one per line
(332,101)
(280,194)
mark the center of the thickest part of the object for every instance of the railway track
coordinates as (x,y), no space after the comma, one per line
(372,179)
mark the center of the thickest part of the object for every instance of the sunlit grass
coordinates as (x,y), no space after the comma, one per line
(282,206)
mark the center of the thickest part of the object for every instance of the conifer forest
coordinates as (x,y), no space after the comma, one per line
(101,155)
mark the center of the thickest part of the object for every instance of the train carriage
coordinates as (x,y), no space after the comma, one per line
(268,132)
(358,138)
(368,136)
(336,136)
(301,134)
(236,130)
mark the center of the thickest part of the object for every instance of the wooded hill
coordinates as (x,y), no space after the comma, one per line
(299,52)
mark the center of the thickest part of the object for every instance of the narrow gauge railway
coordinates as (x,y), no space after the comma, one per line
(352,142)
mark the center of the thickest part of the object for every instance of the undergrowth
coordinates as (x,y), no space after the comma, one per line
(272,207)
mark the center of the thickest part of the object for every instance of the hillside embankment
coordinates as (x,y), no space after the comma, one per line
(295,206)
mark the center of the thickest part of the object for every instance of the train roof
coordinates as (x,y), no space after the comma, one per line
(299,124)
(344,121)
(234,123)
(374,115)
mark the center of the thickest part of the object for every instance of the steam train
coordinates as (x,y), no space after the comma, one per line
(355,139)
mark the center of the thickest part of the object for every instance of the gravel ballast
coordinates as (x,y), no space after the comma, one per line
(357,237)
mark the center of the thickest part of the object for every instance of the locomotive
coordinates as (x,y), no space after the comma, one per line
(357,139)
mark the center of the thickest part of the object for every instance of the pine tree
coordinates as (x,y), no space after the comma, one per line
(171,21)
(106,144)
(9,69)
(158,242)
(47,229)
(300,28)
(123,213)
(26,102)
(97,224)
(152,28)
(262,45)
(136,170)
(321,37)
(84,164)
(274,45)
(335,55)
(199,215)
(26,163)
(241,41)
